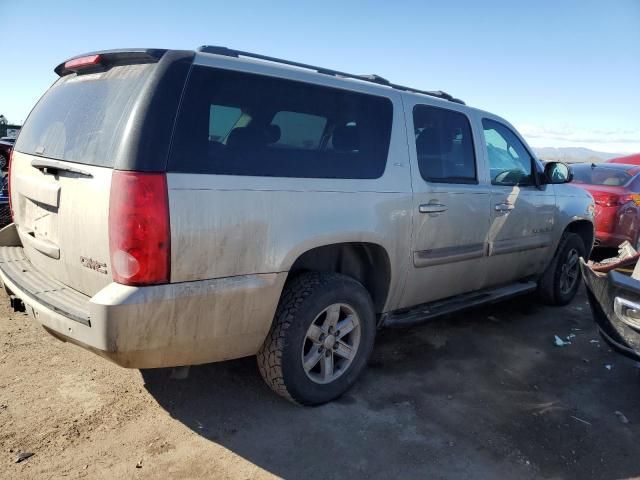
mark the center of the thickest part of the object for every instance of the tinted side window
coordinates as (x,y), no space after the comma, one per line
(299,130)
(278,128)
(509,160)
(444,144)
(222,119)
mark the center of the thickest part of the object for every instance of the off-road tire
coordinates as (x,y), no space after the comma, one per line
(303,298)
(549,290)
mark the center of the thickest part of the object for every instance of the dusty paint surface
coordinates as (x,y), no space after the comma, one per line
(42,203)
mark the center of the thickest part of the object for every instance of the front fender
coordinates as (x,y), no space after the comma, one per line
(574,212)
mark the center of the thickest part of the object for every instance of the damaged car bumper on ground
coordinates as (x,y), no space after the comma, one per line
(615,303)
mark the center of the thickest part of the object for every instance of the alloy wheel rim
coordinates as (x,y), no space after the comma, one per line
(570,271)
(331,343)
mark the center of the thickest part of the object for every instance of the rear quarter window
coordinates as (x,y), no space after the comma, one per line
(444,145)
(82,118)
(279,128)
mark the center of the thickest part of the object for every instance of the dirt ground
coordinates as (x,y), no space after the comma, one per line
(484,394)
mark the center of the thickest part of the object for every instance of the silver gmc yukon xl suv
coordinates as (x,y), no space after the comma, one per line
(173,208)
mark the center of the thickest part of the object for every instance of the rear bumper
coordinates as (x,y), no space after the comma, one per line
(147,327)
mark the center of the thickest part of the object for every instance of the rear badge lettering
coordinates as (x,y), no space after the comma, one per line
(94,265)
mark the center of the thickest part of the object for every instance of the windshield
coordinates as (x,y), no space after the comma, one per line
(82,118)
(600,175)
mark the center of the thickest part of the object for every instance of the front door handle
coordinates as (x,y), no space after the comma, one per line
(432,208)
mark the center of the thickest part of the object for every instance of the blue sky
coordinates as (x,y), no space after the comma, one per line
(566,73)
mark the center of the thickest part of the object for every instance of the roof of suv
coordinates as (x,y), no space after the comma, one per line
(152,55)
(217,50)
(374,81)
(144,55)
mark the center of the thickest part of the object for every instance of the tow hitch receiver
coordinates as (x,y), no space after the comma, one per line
(16,303)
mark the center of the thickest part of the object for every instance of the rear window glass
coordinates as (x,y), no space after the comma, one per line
(82,118)
(595,175)
(234,123)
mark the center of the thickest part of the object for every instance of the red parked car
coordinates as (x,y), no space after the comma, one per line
(629,159)
(616,190)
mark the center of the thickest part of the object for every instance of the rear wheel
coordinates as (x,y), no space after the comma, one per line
(560,282)
(320,340)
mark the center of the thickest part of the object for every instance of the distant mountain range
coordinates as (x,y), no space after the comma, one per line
(574,155)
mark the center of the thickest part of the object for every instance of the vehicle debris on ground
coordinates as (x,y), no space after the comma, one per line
(22,456)
(613,290)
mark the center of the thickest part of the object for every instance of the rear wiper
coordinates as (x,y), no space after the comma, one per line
(50,166)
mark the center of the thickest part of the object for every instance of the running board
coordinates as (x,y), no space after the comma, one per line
(428,311)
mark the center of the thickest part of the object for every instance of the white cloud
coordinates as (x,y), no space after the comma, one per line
(603,140)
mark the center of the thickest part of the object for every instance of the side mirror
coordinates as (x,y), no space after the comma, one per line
(557,172)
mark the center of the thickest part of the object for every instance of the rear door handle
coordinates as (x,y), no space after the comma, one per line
(432,208)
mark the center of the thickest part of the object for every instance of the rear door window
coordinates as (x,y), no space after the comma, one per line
(444,145)
(282,128)
(82,118)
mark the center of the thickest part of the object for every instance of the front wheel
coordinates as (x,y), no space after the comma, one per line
(560,282)
(320,340)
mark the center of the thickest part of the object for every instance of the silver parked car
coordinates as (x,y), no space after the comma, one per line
(174,208)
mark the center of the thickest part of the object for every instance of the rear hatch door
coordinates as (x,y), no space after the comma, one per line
(61,172)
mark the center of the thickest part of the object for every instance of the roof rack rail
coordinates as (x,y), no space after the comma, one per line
(228,52)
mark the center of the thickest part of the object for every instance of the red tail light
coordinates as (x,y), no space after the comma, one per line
(139,235)
(607,200)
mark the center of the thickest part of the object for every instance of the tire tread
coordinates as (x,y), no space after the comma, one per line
(270,355)
(547,282)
